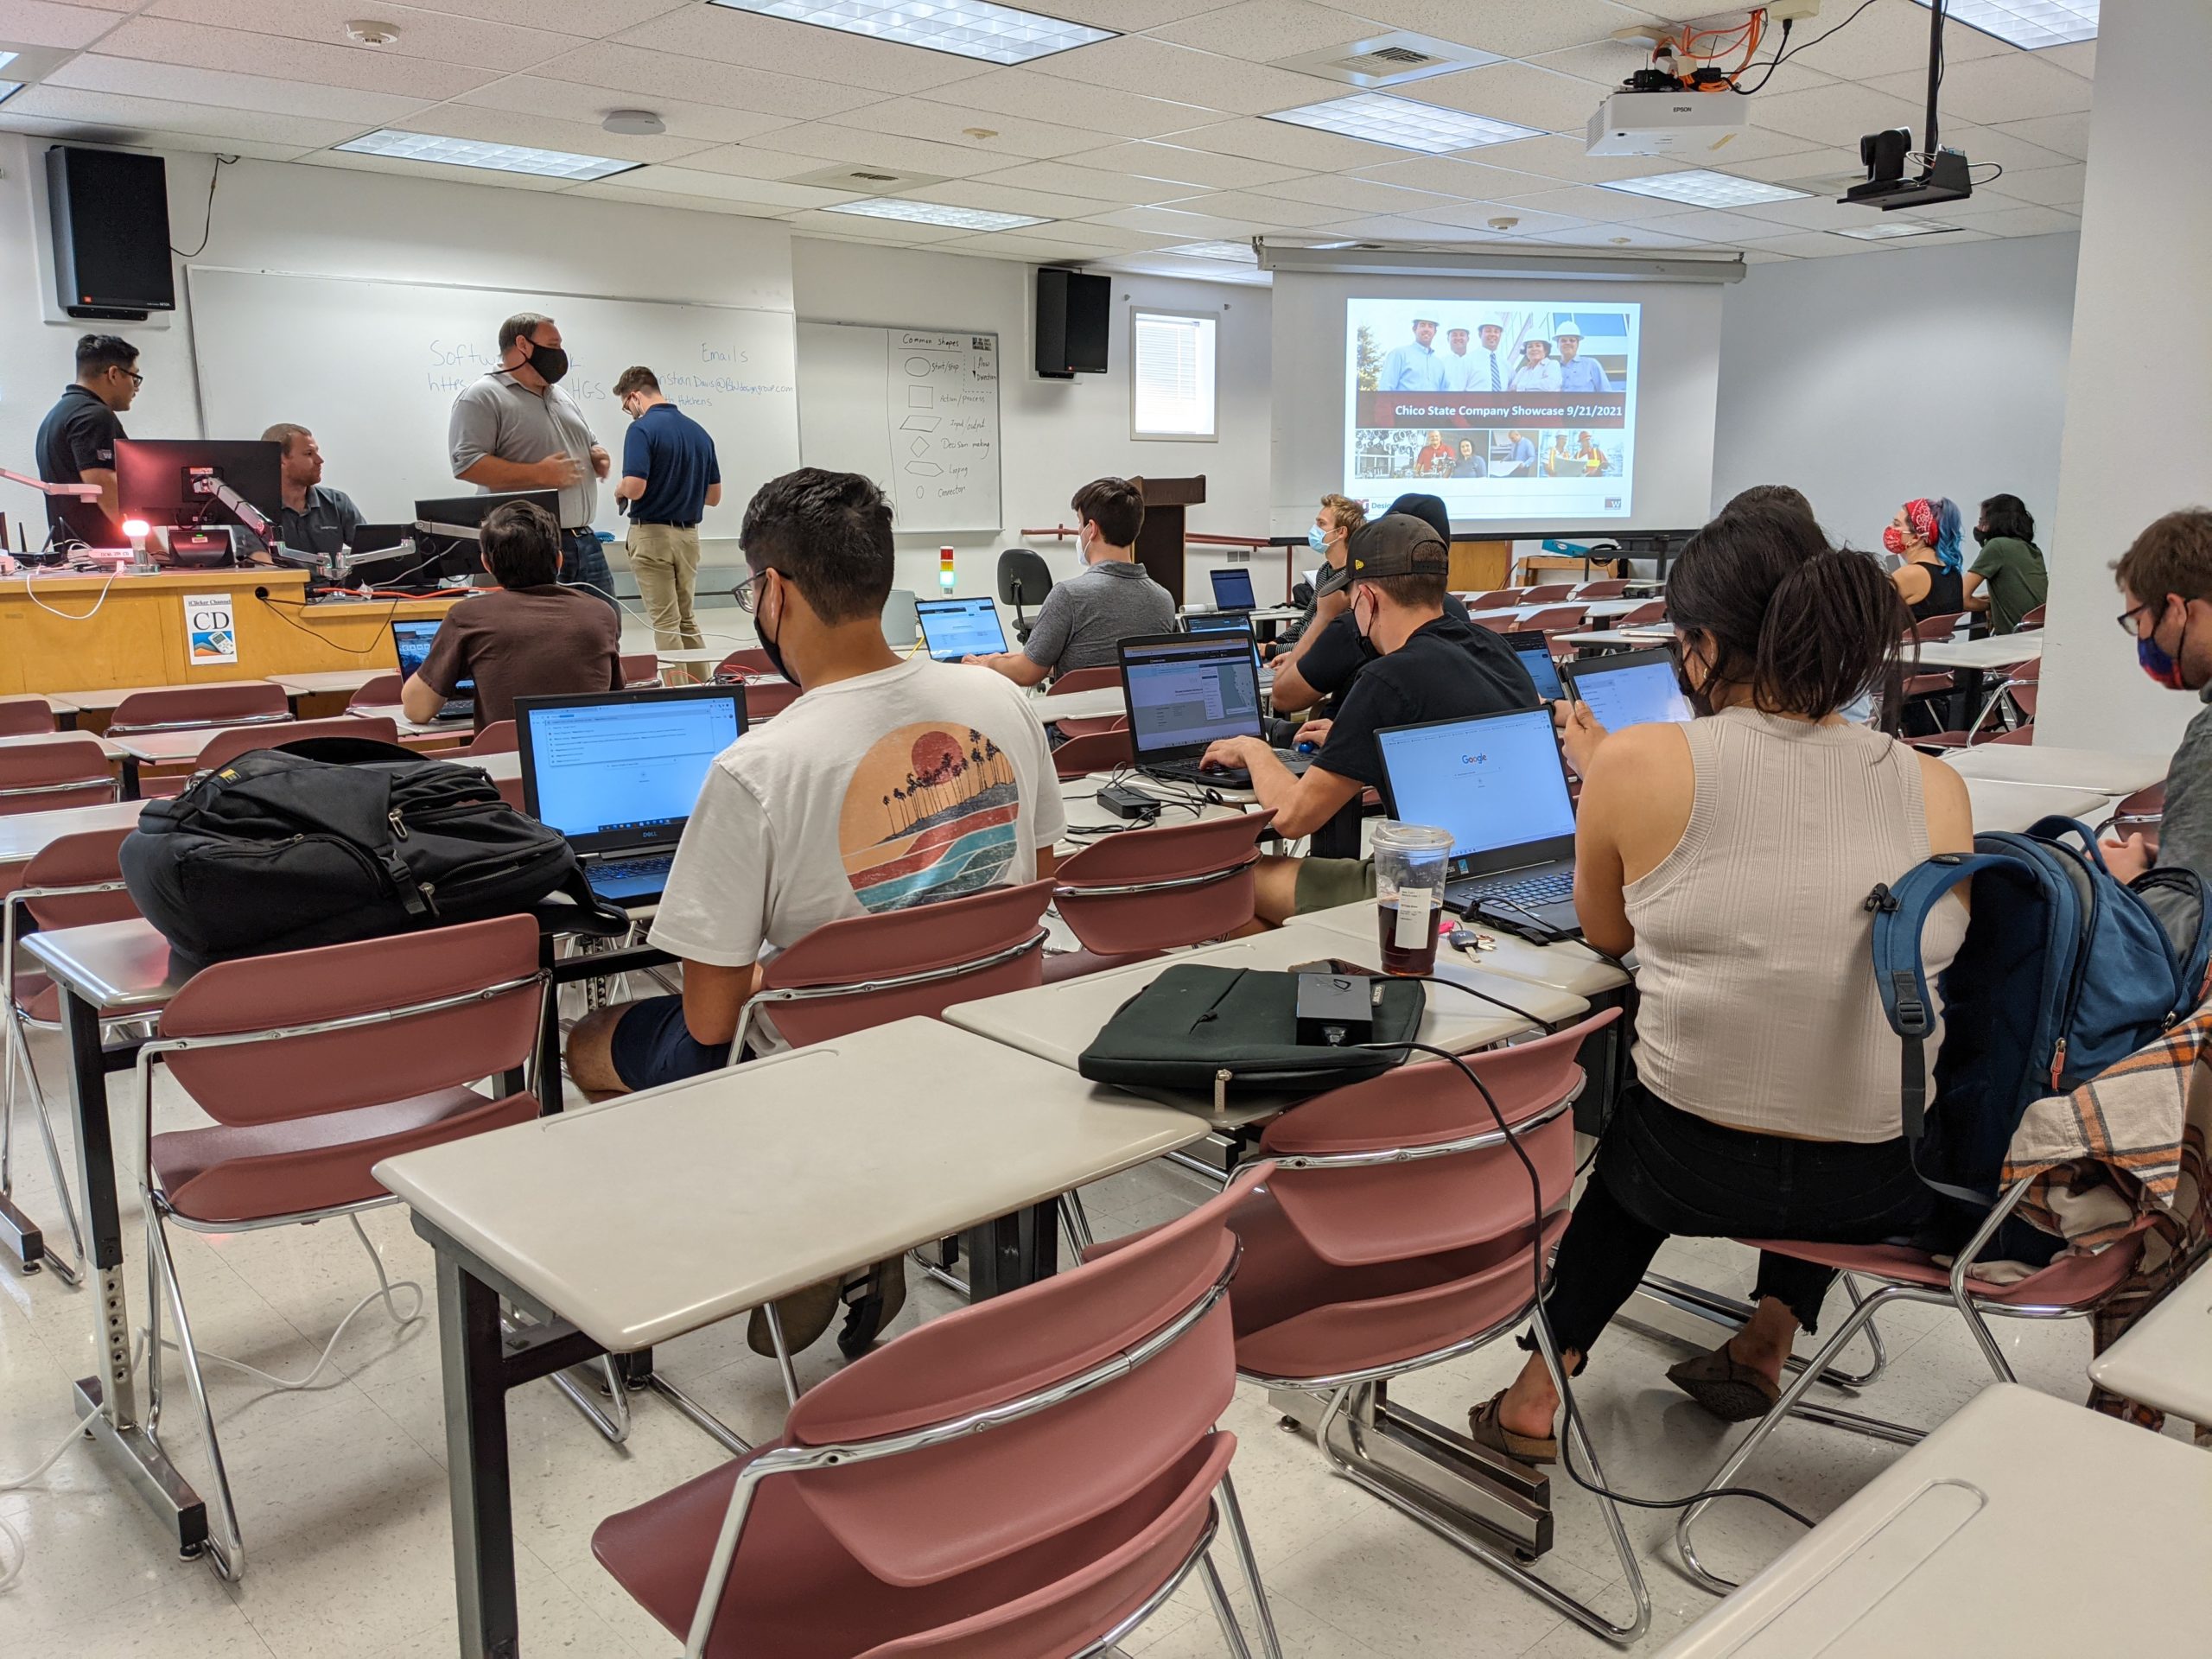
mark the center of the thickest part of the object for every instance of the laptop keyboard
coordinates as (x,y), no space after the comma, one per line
(1555,888)
(631,869)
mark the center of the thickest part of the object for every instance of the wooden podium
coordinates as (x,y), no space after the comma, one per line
(1160,542)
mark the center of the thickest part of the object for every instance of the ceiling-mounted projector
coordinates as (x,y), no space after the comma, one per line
(1667,123)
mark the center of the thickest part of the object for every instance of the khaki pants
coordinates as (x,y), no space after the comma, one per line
(665,560)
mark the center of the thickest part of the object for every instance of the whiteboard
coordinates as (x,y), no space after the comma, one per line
(916,409)
(371,367)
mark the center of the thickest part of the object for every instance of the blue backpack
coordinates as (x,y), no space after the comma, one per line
(2064,971)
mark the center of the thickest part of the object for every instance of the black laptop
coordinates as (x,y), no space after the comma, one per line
(410,644)
(1534,651)
(1232,590)
(1630,687)
(1498,783)
(1183,691)
(617,773)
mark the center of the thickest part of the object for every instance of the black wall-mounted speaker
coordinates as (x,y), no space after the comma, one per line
(1072,323)
(110,216)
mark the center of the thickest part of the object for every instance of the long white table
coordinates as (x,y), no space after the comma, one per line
(2112,773)
(2024,1526)
(1657,633)
(325,682)
(1572,966)
(1597,609)
(18,740)
(1079,705)
(2165,1359)
(24,835)
(2001,805)
(1996,651)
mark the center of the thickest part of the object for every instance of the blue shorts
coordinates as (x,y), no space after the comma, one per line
(652,1046)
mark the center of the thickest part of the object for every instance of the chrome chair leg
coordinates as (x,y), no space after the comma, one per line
(153,1337)
(1077,1221)
(782,1352)
(227,1553)
(1231,1631)
(70,1269)
(1271,1644)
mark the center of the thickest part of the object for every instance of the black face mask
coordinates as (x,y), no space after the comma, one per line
(1981,537)
(551,363)
(1693,695)
(773,651)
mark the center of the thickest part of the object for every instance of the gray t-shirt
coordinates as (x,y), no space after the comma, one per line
(2186,829)
(1081,620)
(498,418)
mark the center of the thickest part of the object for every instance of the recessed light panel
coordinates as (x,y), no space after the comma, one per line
(967,28)
(496,158)
(1700,187)
(2029,23)
(1402,123)
(1891,229)
(934,212)
(1237,252)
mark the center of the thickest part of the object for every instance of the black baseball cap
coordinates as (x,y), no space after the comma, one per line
(1398,544)
(1429,509)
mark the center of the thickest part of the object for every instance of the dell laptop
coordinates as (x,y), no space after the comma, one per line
(410,643)
(1232,590)
(1630,687)
(953,628)
(1238,623)
(1534,651)
(617,773)
(1183,691)
(1497,784)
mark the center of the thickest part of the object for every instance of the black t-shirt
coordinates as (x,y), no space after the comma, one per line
(1337,653)
(1447,670)
(79,432)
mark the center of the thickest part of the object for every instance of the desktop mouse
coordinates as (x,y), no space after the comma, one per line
(1309,749)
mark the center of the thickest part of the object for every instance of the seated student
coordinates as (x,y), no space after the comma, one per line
(2165,580)
(1333,525)
(1114,599)
(529,637)
(2008,578)
(1425,670)
(1925,534)
(1734,856)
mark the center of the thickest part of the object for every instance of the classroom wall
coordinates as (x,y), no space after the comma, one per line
(1870,378)
(2138,426)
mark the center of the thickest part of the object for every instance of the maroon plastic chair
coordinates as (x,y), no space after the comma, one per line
(1399,1232)
(1651,611)
(1495,599)
(751,660)
(382,692)
(1032,1475)
(177,707)
(316,1064)
(25,716)
(2071,1286)
(498,738)
(73,881)
(1608,587)
(1936,627)
(2140,813)
(1088,679)
(766,699)
(226,745)
(1072,727)
(1549,592)
(1558,618)
(69,769)
(869,971)
(1146,890)
(1504,622)
(1091,751)
(2029,621)
(640,669)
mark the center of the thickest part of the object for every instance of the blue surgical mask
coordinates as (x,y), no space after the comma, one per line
(1315,539)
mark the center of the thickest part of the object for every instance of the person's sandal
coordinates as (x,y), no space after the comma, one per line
(1731,1390)
(1485,1429)
(805,1314)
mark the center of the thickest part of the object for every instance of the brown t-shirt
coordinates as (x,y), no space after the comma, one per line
(524,642)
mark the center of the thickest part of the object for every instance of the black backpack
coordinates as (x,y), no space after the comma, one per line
(334,839)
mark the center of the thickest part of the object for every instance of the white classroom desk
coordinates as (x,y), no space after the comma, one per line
(461,731)
(105,700)
(2046,764)
(24,835)
(326,682)
(1656,634)
(1997,650)
(1570,966)
(2166,1359)
(108,748)
(2024,1526)
(2001,805)
(1598,610)
(1079,705)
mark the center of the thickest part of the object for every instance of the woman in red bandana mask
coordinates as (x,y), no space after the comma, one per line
(1928,579)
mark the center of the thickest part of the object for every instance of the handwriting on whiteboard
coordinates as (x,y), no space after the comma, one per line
(944,395)
(452,364)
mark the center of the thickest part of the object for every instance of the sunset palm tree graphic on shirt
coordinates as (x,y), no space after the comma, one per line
(945,819)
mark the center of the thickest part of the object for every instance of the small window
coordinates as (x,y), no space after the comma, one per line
(1172,377)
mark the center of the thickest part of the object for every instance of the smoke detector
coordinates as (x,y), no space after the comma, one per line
(369,32)
(1504,222)
(640,124)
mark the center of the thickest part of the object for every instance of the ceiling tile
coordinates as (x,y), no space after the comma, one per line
(1754,144)
(2015,87)
(2080,57)
(422,33)
(1615,235)
(817,223)
(1519,92)
(721,34)
(1463,181)
(1837,115)
(1201,167)
(1271,211)
(743,161)
(1090,233)
(1705,225)
(1814,245)
(1012,136)
(1136,63)
(146,114)
(356,161)
(566,99)
(161,141)
(1031,249)
(221,89)
(1761,257)
(1985,145)
(1354,194)
(1176,225)
(1478,215)
(767,194)
(548,132)
(36,23)
(633,69)
(1796,166)
(1260,31)
(1290,146)
(1046,98)
(159,40)
(1400,228)
(616,189)
(2014,220)
(1512,28)
(884,149)
(993,198)
(1890,37)
(1815,214)
(2048,186)
(1586,201)
(1129,15)
(1566,159)
(593,19)
(1085,182)
(2062,135)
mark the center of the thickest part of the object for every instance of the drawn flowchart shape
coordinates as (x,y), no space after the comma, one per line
(918,366)
(919,423)
(919,447)
(920,397)
(924,469)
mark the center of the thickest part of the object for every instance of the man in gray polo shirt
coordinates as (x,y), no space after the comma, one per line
(1114,599)
(516,429)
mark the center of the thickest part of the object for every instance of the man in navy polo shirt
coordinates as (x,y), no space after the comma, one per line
(670,478)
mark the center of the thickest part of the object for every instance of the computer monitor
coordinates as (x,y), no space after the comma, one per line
(1237,622)
(614,771)
(1630,687)
(154,480)
(1183,691)
(1535,654)
(1232,590)
(901,627)
(954,628)
(459,556)
(1495,781)
(410,643)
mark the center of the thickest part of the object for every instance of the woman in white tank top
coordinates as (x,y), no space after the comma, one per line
(1734,854)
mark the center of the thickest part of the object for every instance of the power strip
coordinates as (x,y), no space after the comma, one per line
(1124,802)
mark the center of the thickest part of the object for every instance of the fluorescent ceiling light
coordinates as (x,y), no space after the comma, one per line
(9,89)
(496,158)
(1891,229)
(1402,123)
(933,213)
(1700,187)
(7,57)
(967,28)
(1237,252)
(2029,23)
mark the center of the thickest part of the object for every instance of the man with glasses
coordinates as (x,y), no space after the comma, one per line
(2167,581)
(77,439)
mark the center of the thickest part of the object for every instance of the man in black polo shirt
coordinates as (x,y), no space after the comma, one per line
(314,517)
(1427,668)
(77,439)
(670,478)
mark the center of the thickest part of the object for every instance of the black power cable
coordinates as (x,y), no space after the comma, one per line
(207,229)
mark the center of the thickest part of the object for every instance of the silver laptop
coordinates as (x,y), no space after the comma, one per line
(953,628)
(1183,691)
(901,627)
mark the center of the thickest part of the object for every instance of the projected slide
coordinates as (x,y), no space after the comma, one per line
(1509,410)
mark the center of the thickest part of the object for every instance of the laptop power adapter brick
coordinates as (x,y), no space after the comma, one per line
(1126,802)
(1335,1010)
